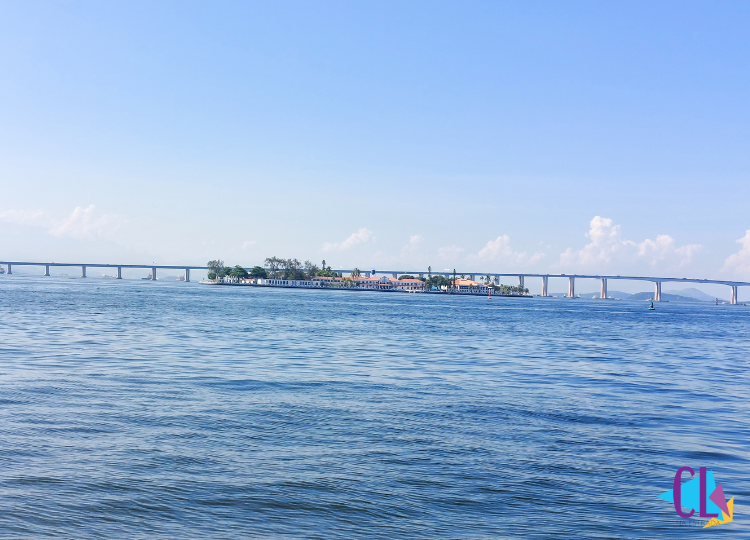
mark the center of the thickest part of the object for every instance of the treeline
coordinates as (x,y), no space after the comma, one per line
(293,269)
(510,289)
(217,270)
(275,268)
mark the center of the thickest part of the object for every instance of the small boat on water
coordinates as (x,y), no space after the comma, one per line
(2,270)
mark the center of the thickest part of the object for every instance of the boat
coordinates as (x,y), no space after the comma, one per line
(2,270)
(651,307)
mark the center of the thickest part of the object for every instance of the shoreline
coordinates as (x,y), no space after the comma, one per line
(360,289)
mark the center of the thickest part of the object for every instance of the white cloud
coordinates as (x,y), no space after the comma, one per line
(415,241)
(25,217)
(81,223)
(740,262)
(248,243)
(499,250)
(86,223)
(450,252)
(360,237)
(607,245)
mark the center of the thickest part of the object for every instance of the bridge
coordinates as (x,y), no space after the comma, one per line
(119,267)
(657,281)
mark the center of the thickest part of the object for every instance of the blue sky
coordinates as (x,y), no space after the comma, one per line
(500,136)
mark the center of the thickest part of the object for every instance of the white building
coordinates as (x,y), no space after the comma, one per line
(407,285)
(468,286)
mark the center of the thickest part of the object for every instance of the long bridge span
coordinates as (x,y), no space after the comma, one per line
(657,281)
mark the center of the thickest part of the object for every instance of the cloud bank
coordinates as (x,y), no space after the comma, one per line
(739,263)
(82,223)
(499,250)
(607,246)
(362,236)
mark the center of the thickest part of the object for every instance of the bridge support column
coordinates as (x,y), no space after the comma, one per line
(571,287)
(187,275)
(603,294)
(153,273)
(733,299)
(46,270)
(119,272)
(657,291)
(83,271)
(395,274)
(471,277)
(545,279)
(520,281)
(9,272)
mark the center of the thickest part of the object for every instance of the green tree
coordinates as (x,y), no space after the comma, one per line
(217,268)
(310,270)
(406,276)
(238,272)
(274,265)
(293,269)
(356,272)
(258,272)
(327,272)
(437,282)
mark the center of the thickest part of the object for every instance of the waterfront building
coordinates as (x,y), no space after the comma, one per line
(407,285)
(288,283)
(469,286)
(326,281)
(374,282)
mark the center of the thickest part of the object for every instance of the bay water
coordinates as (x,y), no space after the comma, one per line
(138,409)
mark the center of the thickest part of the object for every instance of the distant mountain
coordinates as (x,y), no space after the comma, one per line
(693,293)
(614,294)
(666,297)
(684,295)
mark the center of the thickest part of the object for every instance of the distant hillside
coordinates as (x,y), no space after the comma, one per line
(694,293)
(665,297)
(614,294)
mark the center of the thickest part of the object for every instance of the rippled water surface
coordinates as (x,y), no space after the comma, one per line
(133,409)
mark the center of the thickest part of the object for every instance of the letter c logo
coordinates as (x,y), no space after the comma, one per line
(677,494)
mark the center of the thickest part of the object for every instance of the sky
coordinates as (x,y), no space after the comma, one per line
(605,137)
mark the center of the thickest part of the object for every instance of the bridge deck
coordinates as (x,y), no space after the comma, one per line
(654,279)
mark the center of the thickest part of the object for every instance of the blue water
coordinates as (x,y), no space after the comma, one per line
(132,409)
